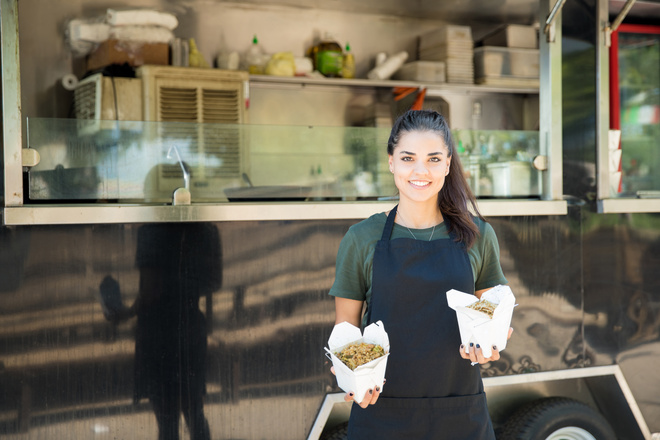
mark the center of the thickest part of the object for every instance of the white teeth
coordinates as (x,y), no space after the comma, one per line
(419,183)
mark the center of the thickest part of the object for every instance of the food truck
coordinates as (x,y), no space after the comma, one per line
(168,172)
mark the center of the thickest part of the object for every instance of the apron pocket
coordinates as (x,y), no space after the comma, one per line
(460,417)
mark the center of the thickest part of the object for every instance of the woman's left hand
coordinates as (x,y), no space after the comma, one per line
(476,356)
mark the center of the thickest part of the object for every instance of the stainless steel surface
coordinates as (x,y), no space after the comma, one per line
(585,285)
(550,105)
(30,157)
(12,142)
(603,103)
(622,15)
(611,206)
(550,26)
(371,83)
(89,214)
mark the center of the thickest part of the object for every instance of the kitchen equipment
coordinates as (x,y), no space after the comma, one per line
(511,179)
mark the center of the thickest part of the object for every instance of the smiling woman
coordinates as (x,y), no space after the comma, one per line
(400,264)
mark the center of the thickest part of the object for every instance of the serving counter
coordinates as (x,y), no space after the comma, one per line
(125,171)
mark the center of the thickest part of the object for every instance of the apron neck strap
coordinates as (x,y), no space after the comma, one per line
(389,225)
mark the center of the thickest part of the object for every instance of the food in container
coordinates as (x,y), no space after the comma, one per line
(365,376)
(483,306)
(360,353)
(477,327)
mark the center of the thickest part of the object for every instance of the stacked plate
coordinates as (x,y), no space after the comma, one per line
(454,46)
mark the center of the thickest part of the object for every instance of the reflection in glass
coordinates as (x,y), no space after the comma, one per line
(639,112)
(178,263)
(128,162)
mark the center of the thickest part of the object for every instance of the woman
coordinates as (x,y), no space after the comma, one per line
(401,264)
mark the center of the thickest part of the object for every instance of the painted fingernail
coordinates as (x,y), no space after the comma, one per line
(477,345)
(384,380)
(351,394)
(378,389)
(462,346)
(494,347)
(371,391)
(471,344)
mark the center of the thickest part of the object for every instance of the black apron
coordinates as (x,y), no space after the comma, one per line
(431,392)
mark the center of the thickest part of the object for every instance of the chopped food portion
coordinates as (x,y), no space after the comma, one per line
(360,353)
(483,306)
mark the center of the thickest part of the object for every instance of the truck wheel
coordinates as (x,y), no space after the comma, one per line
(556,418)
(339,432)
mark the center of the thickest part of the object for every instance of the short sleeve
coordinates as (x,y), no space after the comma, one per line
(350,279)
(489,273)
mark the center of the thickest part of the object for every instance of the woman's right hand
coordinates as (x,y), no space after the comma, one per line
(370,397)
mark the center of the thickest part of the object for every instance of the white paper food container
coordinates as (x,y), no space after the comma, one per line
(364,377)
(477,327)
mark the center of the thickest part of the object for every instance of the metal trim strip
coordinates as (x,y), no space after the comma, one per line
(621,206)
(98,214)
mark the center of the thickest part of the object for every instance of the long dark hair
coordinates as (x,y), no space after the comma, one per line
(455,195)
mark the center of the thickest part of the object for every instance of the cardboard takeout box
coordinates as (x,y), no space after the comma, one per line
(479,328)
(364,377)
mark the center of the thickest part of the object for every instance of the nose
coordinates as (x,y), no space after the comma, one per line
(420,167)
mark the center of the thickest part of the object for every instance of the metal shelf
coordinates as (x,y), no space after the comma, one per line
(358,82)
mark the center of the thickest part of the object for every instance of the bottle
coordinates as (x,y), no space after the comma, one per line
(387,69)
(255,58)
(329,57)
(348,64)
(195,58)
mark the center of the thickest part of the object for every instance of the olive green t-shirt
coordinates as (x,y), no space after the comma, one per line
(354,267)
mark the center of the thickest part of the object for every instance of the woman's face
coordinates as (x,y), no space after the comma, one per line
(420,162)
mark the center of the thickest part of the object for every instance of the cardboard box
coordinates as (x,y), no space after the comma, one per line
(364,377)
(131,52)
(513,35)
(477,327)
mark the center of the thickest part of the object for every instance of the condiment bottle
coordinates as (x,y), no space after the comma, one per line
(255,58)
(348,65)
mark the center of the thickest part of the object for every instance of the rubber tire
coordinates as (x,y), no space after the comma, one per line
(541,418)
(339,432)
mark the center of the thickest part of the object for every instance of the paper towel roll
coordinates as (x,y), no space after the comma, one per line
(69,81)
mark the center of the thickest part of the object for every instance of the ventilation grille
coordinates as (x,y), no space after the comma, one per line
(85,98)
(218,150)
(178,104)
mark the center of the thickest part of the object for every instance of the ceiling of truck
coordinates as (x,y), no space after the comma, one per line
(457,11)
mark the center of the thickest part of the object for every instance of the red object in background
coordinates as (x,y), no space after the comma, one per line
(615,95)
(402,92)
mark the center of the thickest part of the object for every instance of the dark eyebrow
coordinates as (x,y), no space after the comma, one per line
(410,153)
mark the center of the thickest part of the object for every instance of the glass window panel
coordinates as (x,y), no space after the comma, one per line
(639,91)
(144,162)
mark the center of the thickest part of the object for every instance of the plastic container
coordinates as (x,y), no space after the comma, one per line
(505,62)
(425,71)
(348,64)
(329,57)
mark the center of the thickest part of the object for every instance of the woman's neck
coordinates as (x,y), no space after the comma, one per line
(418,215)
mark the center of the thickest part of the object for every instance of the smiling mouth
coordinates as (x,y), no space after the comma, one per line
(419,183)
